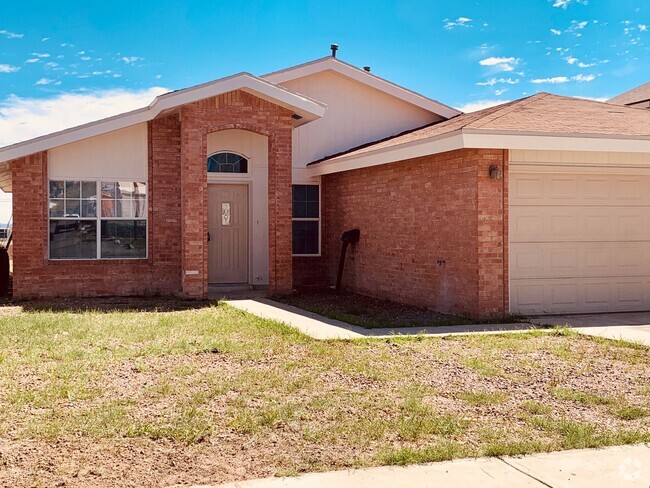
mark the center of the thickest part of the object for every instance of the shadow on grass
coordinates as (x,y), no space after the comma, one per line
(107,304)
(374,313)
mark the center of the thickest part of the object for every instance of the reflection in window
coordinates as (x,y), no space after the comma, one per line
(75,218)
(124,239)
(73,239)
(226,162)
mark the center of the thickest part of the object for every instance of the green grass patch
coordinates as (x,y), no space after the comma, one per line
(585,398)
(482,397)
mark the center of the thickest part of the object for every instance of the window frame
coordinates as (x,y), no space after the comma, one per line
(220,174)
(98,219)
(308,219)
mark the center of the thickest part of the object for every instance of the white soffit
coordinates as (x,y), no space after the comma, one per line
(350,71)
(464,139)
(307,108)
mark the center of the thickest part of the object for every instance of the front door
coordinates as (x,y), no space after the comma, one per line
(228,234)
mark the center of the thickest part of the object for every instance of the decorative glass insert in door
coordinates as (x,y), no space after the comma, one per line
(225,213)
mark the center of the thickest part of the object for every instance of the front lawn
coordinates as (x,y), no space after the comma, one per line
(210,394)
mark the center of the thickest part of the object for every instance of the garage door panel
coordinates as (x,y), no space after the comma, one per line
(548,296)
(581,189)
(549,223)
(579,242)
(579,259)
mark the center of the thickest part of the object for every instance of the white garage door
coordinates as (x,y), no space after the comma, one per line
(579,242)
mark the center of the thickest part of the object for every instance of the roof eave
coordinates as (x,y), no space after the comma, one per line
(306,108)
(483,139)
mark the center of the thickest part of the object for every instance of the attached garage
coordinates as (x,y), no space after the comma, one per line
(538,206)
(579,232)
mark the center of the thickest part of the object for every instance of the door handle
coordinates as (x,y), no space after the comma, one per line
(208,237)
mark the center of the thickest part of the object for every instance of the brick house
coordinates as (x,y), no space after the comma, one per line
(541,205)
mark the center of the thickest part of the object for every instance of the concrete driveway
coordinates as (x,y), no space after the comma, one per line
(629,326)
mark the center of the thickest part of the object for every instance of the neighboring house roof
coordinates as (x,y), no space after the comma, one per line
(542,121)
(307,108)
(362,76)
(638,94)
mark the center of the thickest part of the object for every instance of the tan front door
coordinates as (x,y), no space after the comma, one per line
(228,228)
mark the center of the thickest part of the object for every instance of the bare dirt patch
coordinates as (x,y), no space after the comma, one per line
(212,395)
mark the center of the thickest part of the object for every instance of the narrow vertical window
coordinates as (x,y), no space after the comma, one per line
(306,220)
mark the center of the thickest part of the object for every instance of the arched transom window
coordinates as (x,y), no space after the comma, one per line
(227,162)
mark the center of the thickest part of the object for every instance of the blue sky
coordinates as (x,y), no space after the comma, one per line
(64,63)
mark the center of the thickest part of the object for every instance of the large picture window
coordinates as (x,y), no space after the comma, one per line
(306,220)
(98,220)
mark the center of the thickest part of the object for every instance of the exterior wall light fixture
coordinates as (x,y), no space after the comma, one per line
(495,172)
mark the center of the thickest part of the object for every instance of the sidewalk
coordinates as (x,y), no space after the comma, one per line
(625,467)
(320,327)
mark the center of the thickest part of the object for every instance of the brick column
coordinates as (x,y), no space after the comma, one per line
(194,269)
(492,234)
(280,213)
(29,183)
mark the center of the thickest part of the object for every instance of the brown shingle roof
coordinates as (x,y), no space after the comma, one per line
(639,94)
(541,113)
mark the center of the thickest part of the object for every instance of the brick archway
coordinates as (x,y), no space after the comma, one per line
(235,110)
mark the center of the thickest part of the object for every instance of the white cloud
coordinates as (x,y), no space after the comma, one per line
(565,3)
(25,118)
(7,68)
(500,92)
(643,27)
(85,58)
(571,60)
(44,81)
(554,81)
(459,22)
(595,99)
(480,105)
(494,81)
(32,60)
(130,59)
(584,78)
(585,65)
(11,35)
(45,39)
(502,64)
(563,79)
(556,32)
(41,55)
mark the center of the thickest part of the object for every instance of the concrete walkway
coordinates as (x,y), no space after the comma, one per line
(633,327)
(627,466)
(320,327)
(628,326)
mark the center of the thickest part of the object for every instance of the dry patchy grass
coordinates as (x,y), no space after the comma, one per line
(211,394)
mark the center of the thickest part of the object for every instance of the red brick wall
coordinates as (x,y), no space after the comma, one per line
(235,110)
(432,231)
(159,274)
(177,209)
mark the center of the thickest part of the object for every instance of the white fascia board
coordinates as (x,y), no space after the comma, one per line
(334,64)
(307,108)
(555,142)
(468,139)
(435,145)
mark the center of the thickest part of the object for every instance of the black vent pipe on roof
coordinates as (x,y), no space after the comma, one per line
(334,48)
